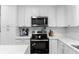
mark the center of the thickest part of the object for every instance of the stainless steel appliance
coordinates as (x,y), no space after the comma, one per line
(39,44)
(39,21)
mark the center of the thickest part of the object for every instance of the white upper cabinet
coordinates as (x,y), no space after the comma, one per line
(21,16)
(28,15)
(34,11)
(8,15)
(67,15)
(43,10)
(77,15)
(70,13)
(51,16)
(25,13)
(0,18)
(48,11)
(60,16)
(24,16)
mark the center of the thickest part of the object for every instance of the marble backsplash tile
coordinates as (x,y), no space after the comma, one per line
(56,30)
(72,32)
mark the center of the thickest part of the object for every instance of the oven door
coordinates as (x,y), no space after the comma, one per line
(40,47)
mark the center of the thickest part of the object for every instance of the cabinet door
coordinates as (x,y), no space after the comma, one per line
(21,16)
(24,42)
(52,46)
(8,15)
(43,10)
(8,35)
(60,16)
(77,15)
(4,36)
(64,49)
(8,24)
(68,50)
(28,50)
(51,12)
(35,10)
(70,13)
(60,47)
(28,16)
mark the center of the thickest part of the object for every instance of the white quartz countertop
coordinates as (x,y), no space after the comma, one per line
(21,37)
(13,49)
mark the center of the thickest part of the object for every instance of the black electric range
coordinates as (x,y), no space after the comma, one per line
(39,44)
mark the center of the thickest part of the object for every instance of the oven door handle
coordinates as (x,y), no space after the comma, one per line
(39,40)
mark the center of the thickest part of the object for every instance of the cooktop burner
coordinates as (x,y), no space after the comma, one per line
(39,36)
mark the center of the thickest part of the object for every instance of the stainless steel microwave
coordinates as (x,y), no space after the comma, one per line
(39,21)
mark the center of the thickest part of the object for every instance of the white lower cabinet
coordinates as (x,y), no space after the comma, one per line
(8,35)
(60,47)
(28,43)
(52,46)
(55,46)
(24,42)
(64,49)
(69,50)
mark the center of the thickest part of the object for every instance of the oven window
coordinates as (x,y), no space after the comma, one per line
(40,45)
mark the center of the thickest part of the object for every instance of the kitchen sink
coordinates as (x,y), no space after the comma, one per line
(76,46)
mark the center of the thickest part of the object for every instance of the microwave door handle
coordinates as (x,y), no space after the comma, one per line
(44,20)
